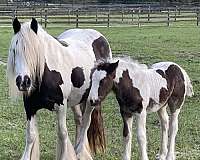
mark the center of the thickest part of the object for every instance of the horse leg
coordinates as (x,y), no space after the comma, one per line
(82,148)
(65,150)
(173,129)
(32,150)
(127,134)
(141,134)
(78,121)
(164,120)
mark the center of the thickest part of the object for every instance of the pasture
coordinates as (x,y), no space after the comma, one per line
(146,44)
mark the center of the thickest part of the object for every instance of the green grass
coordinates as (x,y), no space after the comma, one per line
(146,44)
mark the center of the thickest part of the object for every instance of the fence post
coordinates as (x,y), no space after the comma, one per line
(45,18)
(41,17)
(122,15)
(68,16)
(132,15)
(175,14)
(197,17)
(149,11)
(13,15)
(108,25)
(77,18)
(168,18)
(96,15)
(139,17)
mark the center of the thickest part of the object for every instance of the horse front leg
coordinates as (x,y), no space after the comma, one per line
(127,134)
(32,151)
(82,148)
(141,134)
(78,121)
(65,150)
(164,120)
(173,129)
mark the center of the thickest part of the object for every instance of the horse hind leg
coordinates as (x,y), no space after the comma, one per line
(164,120)
(127,135)
(32,141)
(141,134)
(173,129)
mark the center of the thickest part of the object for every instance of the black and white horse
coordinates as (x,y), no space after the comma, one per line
(53,73)
(140,90)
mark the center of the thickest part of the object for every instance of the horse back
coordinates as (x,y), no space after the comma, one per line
(92,38)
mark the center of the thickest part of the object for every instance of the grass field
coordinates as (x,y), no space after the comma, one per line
(146,44)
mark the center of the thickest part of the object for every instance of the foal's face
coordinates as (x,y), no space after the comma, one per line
(102,82)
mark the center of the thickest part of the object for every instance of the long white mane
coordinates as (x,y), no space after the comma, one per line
(28,46)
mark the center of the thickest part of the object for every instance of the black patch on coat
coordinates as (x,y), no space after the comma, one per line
(174,96)
(77,77)
(34,25)
(159,71)
(124,118)
(176,85)
(101,48)
(46,95)
(128,97)
(16,25)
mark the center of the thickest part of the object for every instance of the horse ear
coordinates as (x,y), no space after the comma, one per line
(16,25)
(34,25)
(112,67)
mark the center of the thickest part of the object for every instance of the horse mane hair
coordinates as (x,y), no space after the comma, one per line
(125,60)
(27,44)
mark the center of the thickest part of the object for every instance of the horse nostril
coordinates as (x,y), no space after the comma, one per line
(27,81)
(18,81)
(94,102)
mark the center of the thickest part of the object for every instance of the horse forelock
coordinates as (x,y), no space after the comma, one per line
(28,46)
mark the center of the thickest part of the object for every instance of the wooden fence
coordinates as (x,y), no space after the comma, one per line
(107,18)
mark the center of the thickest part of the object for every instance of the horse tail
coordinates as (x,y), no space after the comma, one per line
(96,135)
(188,84)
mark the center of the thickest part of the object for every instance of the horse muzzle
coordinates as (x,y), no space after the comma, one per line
(24,83)
(95,102)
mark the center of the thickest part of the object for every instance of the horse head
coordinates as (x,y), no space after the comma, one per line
(23,55)
(102,82)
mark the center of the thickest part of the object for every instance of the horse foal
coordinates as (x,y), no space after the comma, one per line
(139,91)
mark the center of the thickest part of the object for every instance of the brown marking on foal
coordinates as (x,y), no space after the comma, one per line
(128,96)
(175,86)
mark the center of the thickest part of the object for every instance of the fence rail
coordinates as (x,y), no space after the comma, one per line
(136,16)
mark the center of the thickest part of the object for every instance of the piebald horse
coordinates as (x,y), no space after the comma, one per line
(140,90)
(53,73)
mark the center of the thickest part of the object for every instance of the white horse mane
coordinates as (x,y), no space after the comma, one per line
(28,45)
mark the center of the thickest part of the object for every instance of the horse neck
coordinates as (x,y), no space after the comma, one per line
(54,52)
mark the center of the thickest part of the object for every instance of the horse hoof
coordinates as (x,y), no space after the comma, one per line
(160,157)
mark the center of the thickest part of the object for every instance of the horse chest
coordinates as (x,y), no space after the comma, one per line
(46,95)
(128,96)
